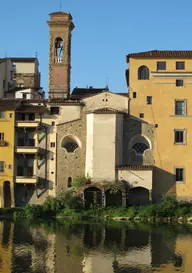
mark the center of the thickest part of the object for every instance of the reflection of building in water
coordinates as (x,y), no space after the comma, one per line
(6,235)
(33,250)
(116,250)
(69,253)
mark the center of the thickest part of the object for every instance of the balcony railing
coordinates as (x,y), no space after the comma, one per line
(58,59)
(26,143)
(3,143)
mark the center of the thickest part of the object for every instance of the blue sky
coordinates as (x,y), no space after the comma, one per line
(105,31)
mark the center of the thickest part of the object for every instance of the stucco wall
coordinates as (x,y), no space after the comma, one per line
(24,67)
(105,100)
(102,151)
(163,90)
(137,178)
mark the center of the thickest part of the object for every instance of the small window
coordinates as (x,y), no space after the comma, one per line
(179,174)
(180,136)
(52,144)
(54,110)
(14,67)
(161,65)
(143,73)
(180,65)
(1,136)
(179,83)
(24,96)
(141,115)
(53,123)
(149,99)
(9,167)
(69,182)
(11,115)
(134,95)
(2,114)
(2,166)
(180,108)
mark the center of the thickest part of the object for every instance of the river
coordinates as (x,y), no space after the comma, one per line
(94,248)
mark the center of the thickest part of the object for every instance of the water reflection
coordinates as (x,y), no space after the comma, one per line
(94,248)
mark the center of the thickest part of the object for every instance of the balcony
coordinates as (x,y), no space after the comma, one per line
(26,146)
(27,124)
(26,179)
(3,143)
(25,175)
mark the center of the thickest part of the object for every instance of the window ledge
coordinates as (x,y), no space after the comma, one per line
(180,143)
(180,182)
(179,116)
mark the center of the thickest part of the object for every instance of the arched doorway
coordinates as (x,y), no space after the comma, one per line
(113,199)
(7,194)
(92,197)
(138,196)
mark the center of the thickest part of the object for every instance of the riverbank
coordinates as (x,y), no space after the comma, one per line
(71,207)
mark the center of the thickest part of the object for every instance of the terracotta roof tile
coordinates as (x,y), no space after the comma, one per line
(32,109)
(135,167)
(107,111)
(9,104)
(161,54)
(62,101)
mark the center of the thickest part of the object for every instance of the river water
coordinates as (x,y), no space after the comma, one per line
(94,248)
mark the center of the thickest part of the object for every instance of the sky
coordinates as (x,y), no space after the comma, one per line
(105,32)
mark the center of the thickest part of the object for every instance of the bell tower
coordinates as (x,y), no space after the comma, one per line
(60,28)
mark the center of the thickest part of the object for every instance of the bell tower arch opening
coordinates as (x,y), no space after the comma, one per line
(60,28)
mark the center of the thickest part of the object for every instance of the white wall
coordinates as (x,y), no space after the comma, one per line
(69,113)
(31,94)
(105,100)
(119,140)
(137,178)
(89,146)
(101,153)
(25,67)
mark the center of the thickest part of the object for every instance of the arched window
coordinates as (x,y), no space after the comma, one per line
(140,147)
(58,50)
(70,144)
(139,144)
(69,182)
(143,73)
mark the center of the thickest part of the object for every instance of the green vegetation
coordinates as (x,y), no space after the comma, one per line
(68,205)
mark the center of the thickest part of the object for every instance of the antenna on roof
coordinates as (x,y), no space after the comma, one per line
(36,54)
(5,54)
(107,87)
(60,5)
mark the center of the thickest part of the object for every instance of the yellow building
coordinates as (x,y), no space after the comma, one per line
(7,132)
(160,94)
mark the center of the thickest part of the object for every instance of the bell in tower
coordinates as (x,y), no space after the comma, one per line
(61,26)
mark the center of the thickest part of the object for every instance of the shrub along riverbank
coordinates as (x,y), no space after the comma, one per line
(69,206)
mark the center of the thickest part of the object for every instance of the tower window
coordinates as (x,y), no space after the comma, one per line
(141,115)
(58,50)
(134,95)
(69,182)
